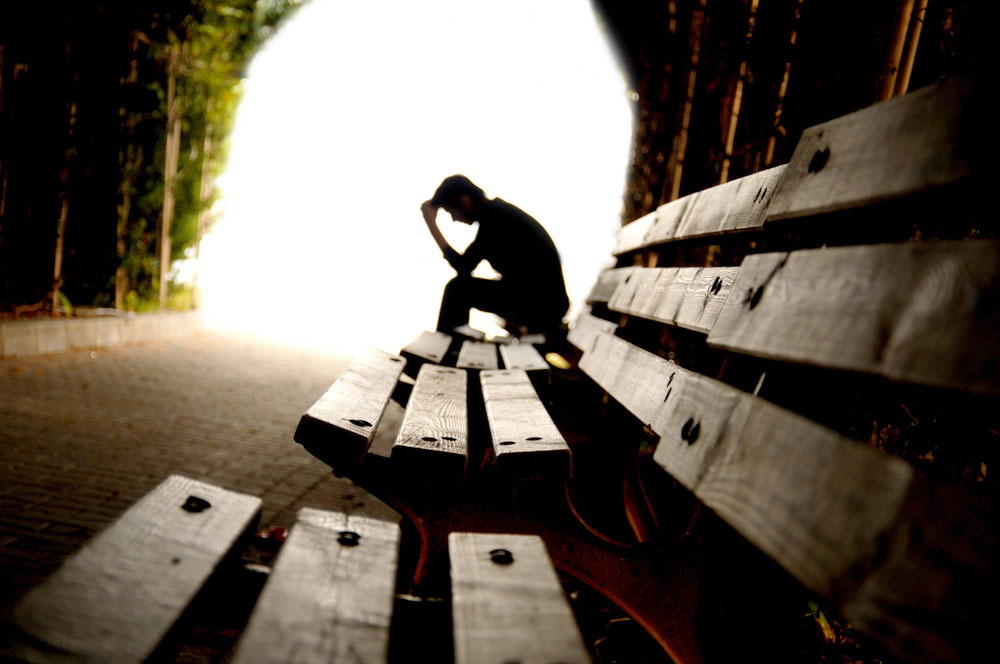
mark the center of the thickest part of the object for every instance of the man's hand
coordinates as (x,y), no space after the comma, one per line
(429,211)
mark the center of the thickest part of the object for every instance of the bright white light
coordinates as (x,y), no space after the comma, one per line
(353,114)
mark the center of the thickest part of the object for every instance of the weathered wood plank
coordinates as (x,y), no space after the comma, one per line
(632,235)
(890,150)
(469,332)
(340,426)
(917,312)
(330,595)
(647,389)
(736,206)
(811,499)
(584,332)
(522,356)
(434,435)
(526,443)
(907,562)
(536,338)
(508,604)
(606,284)
(427,347)
(477,355)
(690,297)
(116,599)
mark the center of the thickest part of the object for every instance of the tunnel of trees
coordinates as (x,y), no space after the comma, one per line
(114,114)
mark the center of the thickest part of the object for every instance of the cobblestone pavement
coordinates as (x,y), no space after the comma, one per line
(84,434)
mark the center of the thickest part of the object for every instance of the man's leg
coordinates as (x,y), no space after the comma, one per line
(463,293)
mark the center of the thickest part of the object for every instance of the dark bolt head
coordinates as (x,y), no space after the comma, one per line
(755,297)
(194,504)
(690,431)
(348,538)
(501,556)
(361,423)
(716,286)
(818,161)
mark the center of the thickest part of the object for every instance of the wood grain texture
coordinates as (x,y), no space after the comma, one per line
(632,235)
(434,434)
(427,347)
(690,297)
(606,284)
(469,332)
(477,355)
(526,443)
(514,612)
(907,561)
(585,329)
(340,426)
(522,356)
(736,206)
(918,312)
(327,601)
(893,149)
(117,598)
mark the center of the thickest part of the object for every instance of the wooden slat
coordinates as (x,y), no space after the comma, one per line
(522,356)
(477,355)
(893,149)
(536,338)
(526,442)
(918,312)
(470,332)
(118,597)
(616,366)
(434,435)
(632,235)
(330,595)
(340,426)
(585,330)
(606,284)
(427,347)
(736,206)
(690,297)
(909,563)
(508,605)
(811,499)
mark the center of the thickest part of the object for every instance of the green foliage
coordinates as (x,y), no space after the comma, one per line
(214,41)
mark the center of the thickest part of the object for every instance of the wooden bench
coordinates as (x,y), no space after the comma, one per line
(132,593)
(784,389)
(814,334)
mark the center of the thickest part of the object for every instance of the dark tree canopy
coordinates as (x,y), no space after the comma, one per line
(834,53)
(83,134)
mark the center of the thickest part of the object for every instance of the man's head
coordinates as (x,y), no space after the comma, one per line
(460,197)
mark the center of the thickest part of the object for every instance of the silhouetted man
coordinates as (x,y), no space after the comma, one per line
(531,293)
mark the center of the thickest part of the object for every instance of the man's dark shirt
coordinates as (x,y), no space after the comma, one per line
(517,247)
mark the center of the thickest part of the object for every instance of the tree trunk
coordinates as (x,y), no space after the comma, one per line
(173,139)
(906,67)
(783,89)
(680,146)
(204,195)
(129,161)
(64,177)
(734,115)
(887,81)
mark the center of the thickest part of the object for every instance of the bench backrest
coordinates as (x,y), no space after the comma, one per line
(802,313)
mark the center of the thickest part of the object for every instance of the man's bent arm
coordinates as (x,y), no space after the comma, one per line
(454,258)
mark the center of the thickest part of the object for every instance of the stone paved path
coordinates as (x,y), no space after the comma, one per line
(83,435)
